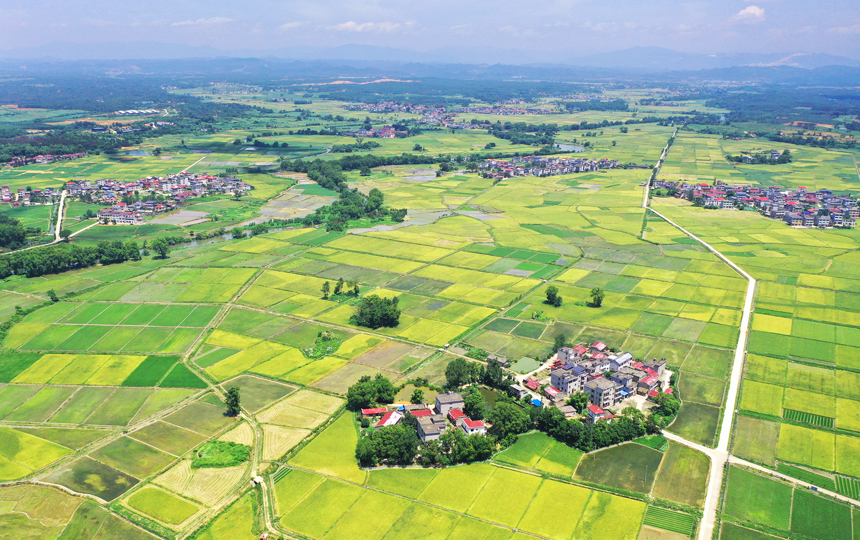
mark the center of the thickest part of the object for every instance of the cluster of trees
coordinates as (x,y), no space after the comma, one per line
(761,159)
(392,445)
(59,140)
(358,162)
(522,133)
(460,372)
(454,447)
(12,233)
(629,425)
(351,205)
(308,131)
(377,312)
(357,147)
(552,297)
(340,288)
(63,257)
(814,140)
(369,392)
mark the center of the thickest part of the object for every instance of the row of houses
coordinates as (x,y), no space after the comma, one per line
(24,197)
(543,166)
(177,187)
(136,112)
(432,422)
(391,107)
(44,159)
(505,111)
(798,208)
(385,132)
(120,214)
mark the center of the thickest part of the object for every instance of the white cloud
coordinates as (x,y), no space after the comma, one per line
(845,29)
(203,22)
(750,15)
(380,27)
(291,25)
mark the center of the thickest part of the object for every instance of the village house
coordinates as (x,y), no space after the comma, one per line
(594,413)
(472,427)
(602,392)
(446,402)
(431,427)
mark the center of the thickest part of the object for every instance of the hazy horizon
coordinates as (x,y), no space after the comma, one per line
(547,31)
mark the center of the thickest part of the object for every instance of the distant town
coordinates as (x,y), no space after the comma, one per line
(798,208)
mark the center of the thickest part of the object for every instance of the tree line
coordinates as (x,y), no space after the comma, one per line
(63,257)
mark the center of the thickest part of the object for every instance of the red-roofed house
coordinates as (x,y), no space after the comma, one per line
(648,383)
(422,413)
(552,392)
(598,347)
(374,411)
(389,419)
(532,384)
(595,413)
(455,415)
(472,426)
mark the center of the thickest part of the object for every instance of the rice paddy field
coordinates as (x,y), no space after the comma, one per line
(109,391)
(339,508)
(757,500)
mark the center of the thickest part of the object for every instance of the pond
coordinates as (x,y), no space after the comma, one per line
(570,148)
(490,396)
(137,153)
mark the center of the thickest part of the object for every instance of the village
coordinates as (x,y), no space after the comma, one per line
(168,192)
(610,381)
(543,166)
(44,159)
(798,208)
(174,189)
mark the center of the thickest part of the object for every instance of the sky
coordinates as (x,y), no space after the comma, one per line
(549,29)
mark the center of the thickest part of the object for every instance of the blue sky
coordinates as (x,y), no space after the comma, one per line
(550,28)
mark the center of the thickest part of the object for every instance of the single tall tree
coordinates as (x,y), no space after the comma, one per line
(232,401)
(597,296)
(326,288)
(161,247)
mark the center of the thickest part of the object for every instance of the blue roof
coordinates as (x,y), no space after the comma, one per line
(536,402)
(568,366)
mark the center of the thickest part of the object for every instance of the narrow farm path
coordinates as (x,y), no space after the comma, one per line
(61,212)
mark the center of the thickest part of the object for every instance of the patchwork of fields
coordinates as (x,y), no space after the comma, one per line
(110,392)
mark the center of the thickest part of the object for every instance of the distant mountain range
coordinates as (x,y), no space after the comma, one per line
(638,59)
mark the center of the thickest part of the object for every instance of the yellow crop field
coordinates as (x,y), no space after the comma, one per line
(315,401)
(241,434)
(211,485)
(229,339)
(287,414)
(278,440)
(115,370)
(44,369)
